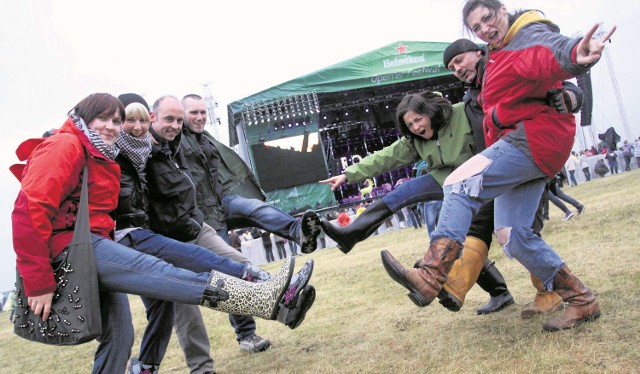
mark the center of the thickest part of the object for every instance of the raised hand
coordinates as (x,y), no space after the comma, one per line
(590,50)
(336,181)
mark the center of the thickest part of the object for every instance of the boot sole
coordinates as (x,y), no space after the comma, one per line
(301,286)
(294,317)
(579,322)
(310,227)
(530,313)
(449,301)
(274,314)
(396,275)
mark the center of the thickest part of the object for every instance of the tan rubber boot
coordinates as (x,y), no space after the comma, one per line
(582,305)
(424,283)
(463,274)
(545,302)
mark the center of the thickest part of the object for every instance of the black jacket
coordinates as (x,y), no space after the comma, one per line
(132,201)
(173,211)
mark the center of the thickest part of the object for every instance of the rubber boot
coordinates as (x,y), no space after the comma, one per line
(545,302)
(582,305)
(463,273)
(492,281)
(360,229)
(424,283)
(236,296)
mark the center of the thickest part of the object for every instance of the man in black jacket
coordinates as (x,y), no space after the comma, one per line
(174,212)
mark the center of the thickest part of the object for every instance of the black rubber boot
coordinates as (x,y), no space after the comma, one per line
(360,229)
(492,281)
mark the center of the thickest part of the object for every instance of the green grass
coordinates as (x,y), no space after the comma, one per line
(362,322)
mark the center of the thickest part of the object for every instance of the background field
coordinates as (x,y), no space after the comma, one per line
(362,322)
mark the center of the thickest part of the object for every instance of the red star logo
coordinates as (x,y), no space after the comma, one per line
(402,49)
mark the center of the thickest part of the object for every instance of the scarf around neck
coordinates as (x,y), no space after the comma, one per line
(108,151)
(137,150)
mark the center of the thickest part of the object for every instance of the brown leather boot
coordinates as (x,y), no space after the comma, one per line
(582,305)
(545,302)
(463,274)
(424,283)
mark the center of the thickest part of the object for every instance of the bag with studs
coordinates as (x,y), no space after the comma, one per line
(75,312)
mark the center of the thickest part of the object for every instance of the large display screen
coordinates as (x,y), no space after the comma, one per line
(289,162)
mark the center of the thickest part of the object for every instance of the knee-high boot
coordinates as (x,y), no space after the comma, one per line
(492,281)
(463,274)
(360,229)
(582,305)
(236,296)
(425,282)
(545,302)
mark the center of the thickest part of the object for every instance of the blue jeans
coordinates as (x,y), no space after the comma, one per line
(516,184)
(242,212)
(431,214)
(122,270)
(160,313)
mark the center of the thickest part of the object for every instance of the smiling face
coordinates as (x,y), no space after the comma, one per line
(195,114)
(107,126)
(136,121)
(489,25)
(463,66)
(418,124)
(167,119)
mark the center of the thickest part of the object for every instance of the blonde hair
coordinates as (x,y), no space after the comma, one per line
(136,109)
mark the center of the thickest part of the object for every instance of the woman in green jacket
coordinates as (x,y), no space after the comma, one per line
(439,133)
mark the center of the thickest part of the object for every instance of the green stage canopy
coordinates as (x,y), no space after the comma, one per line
(395,63)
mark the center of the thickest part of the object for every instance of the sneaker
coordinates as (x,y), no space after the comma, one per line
(581,210)
(309,230)
(568,216)
(137,367)
(253,344)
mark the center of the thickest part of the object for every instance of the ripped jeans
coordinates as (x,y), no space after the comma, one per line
(504,173)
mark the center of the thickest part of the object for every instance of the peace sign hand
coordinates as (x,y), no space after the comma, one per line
(590,50)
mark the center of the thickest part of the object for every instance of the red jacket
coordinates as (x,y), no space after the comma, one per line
(533,59)
(44,211)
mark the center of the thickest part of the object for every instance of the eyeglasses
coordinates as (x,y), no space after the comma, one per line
(486,20)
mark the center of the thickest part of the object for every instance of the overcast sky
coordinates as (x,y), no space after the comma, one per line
(54,53)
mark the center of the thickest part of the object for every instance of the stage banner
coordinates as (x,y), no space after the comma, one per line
(297,199)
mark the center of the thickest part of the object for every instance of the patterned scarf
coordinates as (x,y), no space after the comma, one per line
(109,151)
(137,150)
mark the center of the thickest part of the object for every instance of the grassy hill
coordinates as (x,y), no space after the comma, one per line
(362,322)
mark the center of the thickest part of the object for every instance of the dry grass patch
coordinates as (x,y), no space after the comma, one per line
(362,322)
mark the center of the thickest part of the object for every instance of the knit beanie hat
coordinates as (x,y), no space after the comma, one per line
(129,98)
(458,47)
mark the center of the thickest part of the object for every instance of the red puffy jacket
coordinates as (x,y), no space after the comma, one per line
(533,59)
(44,213)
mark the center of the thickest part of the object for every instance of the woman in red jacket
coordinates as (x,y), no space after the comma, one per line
(43,221)
(527,141)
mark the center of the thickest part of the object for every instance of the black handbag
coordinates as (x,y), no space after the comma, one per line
(75,312)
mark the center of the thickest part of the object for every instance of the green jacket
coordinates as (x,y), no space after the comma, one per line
(234,176)
(454,146)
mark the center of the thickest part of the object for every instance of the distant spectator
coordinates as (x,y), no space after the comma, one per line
(636,151)
(584,165)
(571,165)
(627,153)
(268,246)
(282,253)
(612,158)
(343,218)
(601,169)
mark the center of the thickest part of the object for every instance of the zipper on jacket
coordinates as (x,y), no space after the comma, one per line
(439,151)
